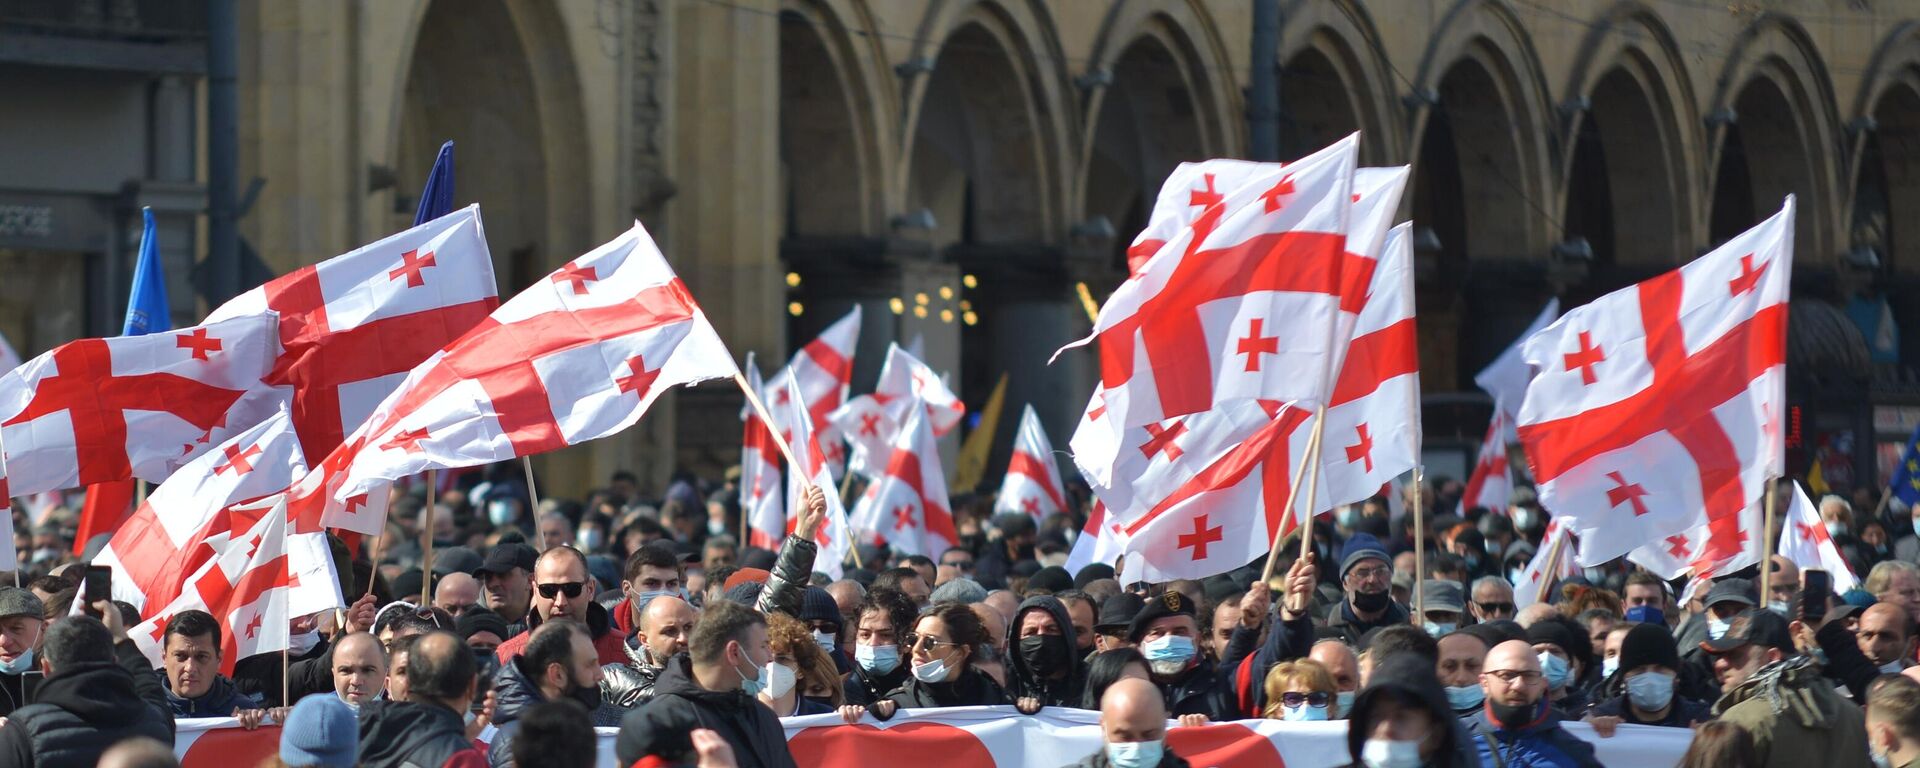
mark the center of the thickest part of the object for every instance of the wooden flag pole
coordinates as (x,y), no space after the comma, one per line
(426,539)
(1419,548)
(1886,495)
(1552,570)
(753,399)
(1766,537)
(1313,481)
(533,499)
(1286,517)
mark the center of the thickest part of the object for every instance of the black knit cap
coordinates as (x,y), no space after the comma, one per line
(1648,644)
(1564,633)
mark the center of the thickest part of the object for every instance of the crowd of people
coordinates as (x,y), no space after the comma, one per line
(533,624)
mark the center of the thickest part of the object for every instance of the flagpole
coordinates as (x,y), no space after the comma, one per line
(1552,570)
(285,663)
(1419,549)
(1087,303)
(753,399)
(426,540)
(1286,516)
(1886,495)
(533,497)
(1313,482)
(1767,544)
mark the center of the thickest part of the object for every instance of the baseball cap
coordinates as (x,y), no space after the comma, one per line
(506,557)
(1442,595)
(1732,591)
(1754,626)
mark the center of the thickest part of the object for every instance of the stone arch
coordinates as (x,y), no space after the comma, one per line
(472,80)
(832,133)
(1781,138)
(1884,194)
(1335,79)
(1630,116)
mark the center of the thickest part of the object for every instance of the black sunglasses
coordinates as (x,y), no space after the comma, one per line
(1295,699)
(1495,607)
(570,588)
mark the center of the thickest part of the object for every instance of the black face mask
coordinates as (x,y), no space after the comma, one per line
(1511,716)
(587,695)
(1044,654)
(1371,601)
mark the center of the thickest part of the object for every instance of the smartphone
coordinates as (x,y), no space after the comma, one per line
(99,584)
(1816,586)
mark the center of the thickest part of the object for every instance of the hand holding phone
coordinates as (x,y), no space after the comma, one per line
(1816,588)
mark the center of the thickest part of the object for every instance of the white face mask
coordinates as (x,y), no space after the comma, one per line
(302,644)
(934,671)
(1715,628)
(825,640)
(1387,753)
(780,679)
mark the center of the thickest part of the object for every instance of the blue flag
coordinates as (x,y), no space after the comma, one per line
(436,198)
(147,307)
(1906,477)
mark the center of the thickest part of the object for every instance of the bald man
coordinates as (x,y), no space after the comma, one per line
(1339,660)
(666,627)
(359,669)
(1133,728)
(457,593)
(1516,718)
(1885,638)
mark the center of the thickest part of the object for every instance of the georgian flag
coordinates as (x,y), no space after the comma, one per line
(834,537)
(760,497)
(906,507)
(822,370)
(1805,541)
(245,583)
(1491,484)
(1527,590)
(871,423)
(1032,486)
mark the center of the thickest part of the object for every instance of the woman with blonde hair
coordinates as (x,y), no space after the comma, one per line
(1301,690)
(816,683)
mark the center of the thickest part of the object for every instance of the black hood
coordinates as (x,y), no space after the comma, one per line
(1020,677)
(98,692)
(676,678)
(1405,680)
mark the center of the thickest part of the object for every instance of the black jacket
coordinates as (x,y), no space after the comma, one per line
(395,734)
(1684,713)
(791,573)
(1845,663)
(748,726)
(973,688)
(81,712)
(17,691)
(1063,692)
(1399,679)
(1344,624)
(513,693)
(220,700)
(865,688)
(259,675)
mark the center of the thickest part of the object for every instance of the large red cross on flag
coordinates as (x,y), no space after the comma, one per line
(1170,337)
(906,507)
(1804,541)
(823,369)
(180,524)
(1032,486)
(761,499)
(351,326)
(1667,393)
(578,356)
(904,378)
(835,535)
(100,410)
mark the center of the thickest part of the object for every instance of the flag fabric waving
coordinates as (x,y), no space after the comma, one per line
(1906,477)
(11,556)
(98,410)
(1032,486)
(436,196)
(1490,486)
(578,356)
(822,370)
(1372,433)
(906,507)
(244,584)
(1805,541)
(760,496)
(904,378)
(1526,589)
(1506,378)
(834,536)
(1657,407)
(147,308)
(869,432)
(1099,541)
(351,326)
(1190,332)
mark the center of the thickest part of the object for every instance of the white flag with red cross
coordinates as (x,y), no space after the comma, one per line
(1190,332)
(1506,378)
(352,326)
(183,522)
(1032,486)
(1099,541)
(834,537)
(244,583)
(1704,551)
(1491,484)
(1804,541)
(869,433)
(1659,404)
(906,507)
(760,493)
(1526,591)
(99,410)
(1222,517)
(822,370)
(1373,433)
(579,355)
(904,378)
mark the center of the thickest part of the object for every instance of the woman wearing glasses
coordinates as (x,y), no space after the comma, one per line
(1301,690)
(942,645)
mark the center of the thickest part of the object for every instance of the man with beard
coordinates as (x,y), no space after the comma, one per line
(1366,573)
(1044,668)
(559,663)
(881,625)
(563,589)
(1167,633)
(666,626)
(1516,727)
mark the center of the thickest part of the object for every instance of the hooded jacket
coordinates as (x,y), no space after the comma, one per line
(81,712)
(1026,681)
(1405,681)
(1796,718)
(222,699)
(1541,742)
(407,734)
(752,730)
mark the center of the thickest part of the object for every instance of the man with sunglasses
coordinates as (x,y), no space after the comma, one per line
(563,589)
(1492,600)
(955,563)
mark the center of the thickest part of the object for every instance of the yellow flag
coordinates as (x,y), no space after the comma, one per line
(1816,482)
(971,466)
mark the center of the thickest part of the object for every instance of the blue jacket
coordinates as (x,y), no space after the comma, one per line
(220,700)
(1541,743)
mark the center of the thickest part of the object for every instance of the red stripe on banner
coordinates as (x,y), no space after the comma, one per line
(907,744)
(1374,358)
(228,747)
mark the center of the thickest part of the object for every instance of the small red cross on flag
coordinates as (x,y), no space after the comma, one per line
(1805,541)
(198,343)
(913,480)
(237,460)
(412,264)
(1033,474)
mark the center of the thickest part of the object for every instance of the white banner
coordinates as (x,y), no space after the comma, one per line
(1000,736)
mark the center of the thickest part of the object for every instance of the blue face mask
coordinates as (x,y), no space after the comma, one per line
(1305,713)
(1345,700)
(877,659)
(1556,670)
(20,664)
(1465,697)
(1168,648)
(752,686)
(1438,630)
(1135,754)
